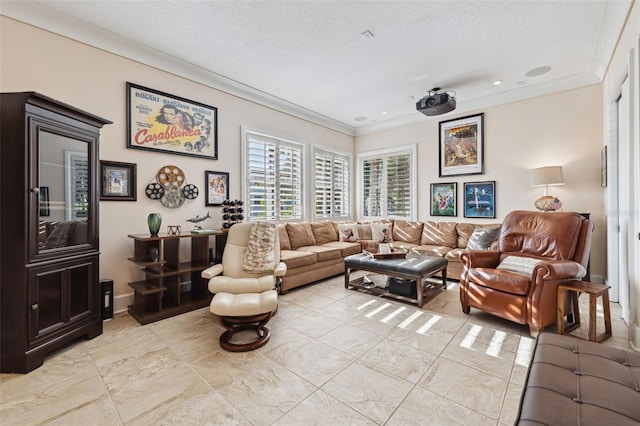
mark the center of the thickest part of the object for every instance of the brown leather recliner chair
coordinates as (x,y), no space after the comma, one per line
(527,293)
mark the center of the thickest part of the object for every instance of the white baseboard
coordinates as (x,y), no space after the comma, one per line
(121,303)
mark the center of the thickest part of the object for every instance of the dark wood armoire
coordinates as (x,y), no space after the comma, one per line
(49,280)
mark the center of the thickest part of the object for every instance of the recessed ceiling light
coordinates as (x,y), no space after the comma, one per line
(497,82)
(538,71)
(385,112)
(360,118)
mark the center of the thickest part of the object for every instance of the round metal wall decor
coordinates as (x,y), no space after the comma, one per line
(171,187)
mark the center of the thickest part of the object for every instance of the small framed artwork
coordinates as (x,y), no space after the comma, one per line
(217,187)
(43,195)
(443,199)
(480,199)
(158,121)
(461,146)
(603,167)
(118,181)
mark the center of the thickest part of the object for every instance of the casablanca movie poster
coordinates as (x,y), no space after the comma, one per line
(161,122)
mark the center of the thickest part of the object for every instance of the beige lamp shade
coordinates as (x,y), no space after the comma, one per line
(547,176)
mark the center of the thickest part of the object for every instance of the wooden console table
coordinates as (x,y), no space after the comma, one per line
(170,287)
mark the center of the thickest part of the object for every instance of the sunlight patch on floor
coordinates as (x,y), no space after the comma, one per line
(470,337)
(525,348)
(427,325)
(392,315)
(365,305)
(379,309)
(405,323)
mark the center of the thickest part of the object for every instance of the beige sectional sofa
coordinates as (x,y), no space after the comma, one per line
(313,251)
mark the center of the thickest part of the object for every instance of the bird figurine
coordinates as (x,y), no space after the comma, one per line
(196,220)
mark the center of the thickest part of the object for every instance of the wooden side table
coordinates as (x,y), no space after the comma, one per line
(594,291)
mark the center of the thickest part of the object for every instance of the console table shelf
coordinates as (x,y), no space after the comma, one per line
(170,287)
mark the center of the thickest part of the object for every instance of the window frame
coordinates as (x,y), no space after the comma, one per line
(335,154)
(384,154)
(279,141)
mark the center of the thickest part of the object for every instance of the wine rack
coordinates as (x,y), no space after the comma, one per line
(232,213)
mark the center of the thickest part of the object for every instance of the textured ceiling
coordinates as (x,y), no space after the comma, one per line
(313,56)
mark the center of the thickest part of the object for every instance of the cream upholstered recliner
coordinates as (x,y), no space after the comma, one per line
(519,282)
(244,283)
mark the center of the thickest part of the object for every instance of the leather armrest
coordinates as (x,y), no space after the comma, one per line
(480,258)
(560,269)
(280,270)
(212,271)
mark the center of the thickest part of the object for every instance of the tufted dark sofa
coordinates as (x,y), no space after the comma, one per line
(577,382)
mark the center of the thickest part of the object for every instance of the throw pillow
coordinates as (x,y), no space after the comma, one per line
(300,235)
(482,238)
(381,232)
(324,232)
(348,232)
(522,265)
(525,265)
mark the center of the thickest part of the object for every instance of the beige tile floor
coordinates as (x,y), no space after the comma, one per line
(336,357)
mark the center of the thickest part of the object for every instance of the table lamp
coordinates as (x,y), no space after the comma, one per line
(547,176)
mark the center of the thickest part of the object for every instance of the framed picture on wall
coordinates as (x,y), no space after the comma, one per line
(461,146)
(443,199)
(118,181)
(480,199)
(216,188)
(158,121)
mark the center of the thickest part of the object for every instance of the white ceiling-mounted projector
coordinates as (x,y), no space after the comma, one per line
(436,103)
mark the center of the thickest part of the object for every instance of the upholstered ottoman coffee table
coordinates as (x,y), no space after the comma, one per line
(413,267)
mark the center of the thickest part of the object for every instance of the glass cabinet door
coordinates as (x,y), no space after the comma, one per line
(63,189)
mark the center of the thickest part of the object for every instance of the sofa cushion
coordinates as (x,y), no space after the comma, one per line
(439,234)
(454,255)
(408,232)
(465,230)
(482,238)
(364,231)
(284,237)
(370,245)
(323,252)
(324,232)
(348,232)
(500,279)
(346,249)
(297,259)
(381,232)
(431,250)
(300,235)
(402,245)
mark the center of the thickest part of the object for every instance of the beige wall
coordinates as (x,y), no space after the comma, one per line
(563,129)
(94,80)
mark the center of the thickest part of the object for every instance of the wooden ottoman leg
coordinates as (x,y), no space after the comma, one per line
(255,323)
